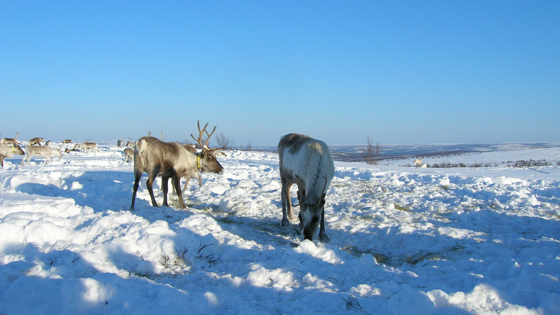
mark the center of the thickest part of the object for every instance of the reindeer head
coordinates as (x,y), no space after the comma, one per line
(310,213)
(206,160)
(310,217)
(17,149)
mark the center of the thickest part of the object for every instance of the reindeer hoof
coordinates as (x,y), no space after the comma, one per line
(290,215)
(285,222)
(324,238)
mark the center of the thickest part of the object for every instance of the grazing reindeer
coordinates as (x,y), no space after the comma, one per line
(128,154)
(10,141)
(9,151)
(84,146)
(170,160)
(75,148)
(46,152)
(35,141)
(307,163)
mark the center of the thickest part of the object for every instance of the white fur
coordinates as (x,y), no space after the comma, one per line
(88,146)
(46,152)
(128,154)
(307,163)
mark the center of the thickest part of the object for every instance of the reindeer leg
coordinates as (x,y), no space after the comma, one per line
(164,183)
(323,237)
(287,212)
(177,185)
(137,177)
(186,183)
(150,182)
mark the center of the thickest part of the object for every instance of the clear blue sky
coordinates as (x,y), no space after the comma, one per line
(401,72)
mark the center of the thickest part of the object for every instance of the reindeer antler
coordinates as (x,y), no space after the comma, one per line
(201,133)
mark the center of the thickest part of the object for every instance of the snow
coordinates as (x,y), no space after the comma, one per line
(404,240)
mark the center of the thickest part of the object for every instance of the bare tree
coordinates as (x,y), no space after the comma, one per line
(224,142)
(370,153)
(249,147)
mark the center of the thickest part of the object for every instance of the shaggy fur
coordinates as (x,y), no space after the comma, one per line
(308,163)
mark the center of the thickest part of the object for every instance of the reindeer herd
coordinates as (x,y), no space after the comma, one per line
(34,147)
(303,161)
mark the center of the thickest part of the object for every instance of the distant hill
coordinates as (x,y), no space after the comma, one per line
(353,153)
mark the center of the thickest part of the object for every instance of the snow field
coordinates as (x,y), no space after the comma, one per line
(403,240)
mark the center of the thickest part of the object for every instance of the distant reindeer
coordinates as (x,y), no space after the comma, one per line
(170,160)
(418,163)
(75,148)
(120,144)
(307,163)
(46,152)
(10,141)
(190,147)
(9,151)
(128,154)
(66,141)
(35,141)
(85,146)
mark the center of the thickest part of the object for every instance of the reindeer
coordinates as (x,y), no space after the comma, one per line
(84,146)
(66,141)
(10,141)
(120,144)
(36,140)
(46,152)
(190,147)
(75,148)
(418,163)
(170,160)
(307,163)
(9,151)
(128,154)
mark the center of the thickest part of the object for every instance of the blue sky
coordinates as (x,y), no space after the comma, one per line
(400,72)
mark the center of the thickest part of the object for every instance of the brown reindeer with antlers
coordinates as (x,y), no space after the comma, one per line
(205,149)
(171,160)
